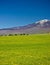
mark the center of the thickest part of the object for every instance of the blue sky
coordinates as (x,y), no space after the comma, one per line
(21,12)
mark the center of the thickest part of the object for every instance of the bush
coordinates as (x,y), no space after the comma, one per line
(15,34)
(10,34)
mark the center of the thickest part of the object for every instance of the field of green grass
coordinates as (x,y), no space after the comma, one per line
(25,50)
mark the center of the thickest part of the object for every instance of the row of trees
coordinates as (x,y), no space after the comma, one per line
(13,34)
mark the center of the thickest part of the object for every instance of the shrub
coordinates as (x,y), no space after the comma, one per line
(10,34)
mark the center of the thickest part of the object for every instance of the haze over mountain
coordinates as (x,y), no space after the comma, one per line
(42,26)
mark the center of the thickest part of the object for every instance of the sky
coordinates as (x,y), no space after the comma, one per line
(22,12)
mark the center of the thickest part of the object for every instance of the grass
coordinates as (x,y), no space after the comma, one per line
(25,50)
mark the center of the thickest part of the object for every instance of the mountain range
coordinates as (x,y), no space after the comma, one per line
(42,26)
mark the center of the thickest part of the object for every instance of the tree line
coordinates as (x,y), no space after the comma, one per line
(13,34)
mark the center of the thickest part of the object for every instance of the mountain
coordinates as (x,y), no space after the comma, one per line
(42,26)
(44,23)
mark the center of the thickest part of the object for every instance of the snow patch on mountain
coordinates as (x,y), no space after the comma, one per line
(41,22)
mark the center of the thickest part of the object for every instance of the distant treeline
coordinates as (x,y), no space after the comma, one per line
(13,34)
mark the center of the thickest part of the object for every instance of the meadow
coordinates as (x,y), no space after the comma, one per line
(25,49)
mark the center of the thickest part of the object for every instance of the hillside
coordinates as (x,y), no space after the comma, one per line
(42,26)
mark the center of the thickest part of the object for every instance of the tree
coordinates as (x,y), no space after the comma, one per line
(23,33)
(15,34)
(10,34)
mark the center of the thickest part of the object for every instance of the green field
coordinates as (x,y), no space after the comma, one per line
(25,50)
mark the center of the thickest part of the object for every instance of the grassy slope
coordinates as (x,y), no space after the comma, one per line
(25,50)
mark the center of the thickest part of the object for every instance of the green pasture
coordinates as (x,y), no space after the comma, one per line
(25,50)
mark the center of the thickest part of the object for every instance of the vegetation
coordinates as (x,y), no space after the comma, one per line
(10,34)
(25,50)
(15,34)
